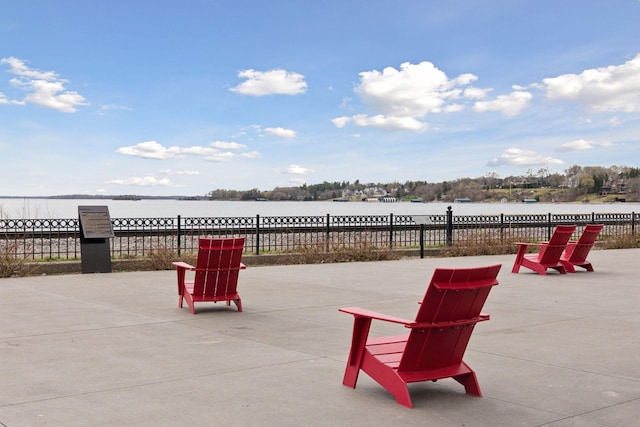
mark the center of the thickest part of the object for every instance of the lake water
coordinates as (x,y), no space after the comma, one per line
(64,209)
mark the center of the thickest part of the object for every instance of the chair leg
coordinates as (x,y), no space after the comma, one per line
(190,302)
(402,396)
(387,378)
(470,383)
(522,249)
(560,268)
(361,326)
(534,266)
(541,270)
(568,266)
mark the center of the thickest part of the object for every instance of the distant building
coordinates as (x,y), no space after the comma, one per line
(614,186)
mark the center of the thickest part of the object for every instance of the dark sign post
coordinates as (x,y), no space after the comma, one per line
(95,232)
(422,220)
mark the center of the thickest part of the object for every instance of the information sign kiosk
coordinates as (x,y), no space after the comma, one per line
(95,232)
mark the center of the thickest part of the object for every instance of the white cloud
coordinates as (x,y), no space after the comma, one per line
(400,99)
(294,170)
(517,157)
(19,68)
(454,108)
(582,145)
(273,82)
(213,153)
(612,88)
(412,91)
(105,109)
(144,181)
(341,122)
(381,122)
(150,150)
(220,156)
(298,170)
(44,88)
(227,145)
(197,150)
(509,105)
(180,172)
(475,93)
(250,155)
(346,103)
(389,123)
(281,132)
(615,121)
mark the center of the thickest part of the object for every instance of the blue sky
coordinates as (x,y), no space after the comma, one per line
(183,97)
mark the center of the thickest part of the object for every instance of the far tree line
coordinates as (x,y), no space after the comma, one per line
(615,183)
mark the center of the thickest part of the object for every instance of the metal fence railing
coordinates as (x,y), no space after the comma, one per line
(55,239)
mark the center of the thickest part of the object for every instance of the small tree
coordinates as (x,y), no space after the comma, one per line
(586,183)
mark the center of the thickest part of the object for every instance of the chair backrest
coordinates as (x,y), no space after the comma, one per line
(218,266)
(453,301)
(551,252)
(578,252)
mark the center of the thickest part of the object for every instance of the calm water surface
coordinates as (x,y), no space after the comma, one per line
(63,209)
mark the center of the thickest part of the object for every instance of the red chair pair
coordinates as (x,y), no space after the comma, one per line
(559,253)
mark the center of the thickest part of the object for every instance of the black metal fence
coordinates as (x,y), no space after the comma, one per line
(54,239)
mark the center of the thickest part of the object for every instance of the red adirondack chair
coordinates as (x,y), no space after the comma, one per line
(549,254)
(216,273)
(576,252)
(437,340)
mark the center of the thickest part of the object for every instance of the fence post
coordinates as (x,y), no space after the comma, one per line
(257,234)
(449,226)
(549,226)
(179,235)
(501,228)
(633,223)
(390,230)
(328,230)
(421,240)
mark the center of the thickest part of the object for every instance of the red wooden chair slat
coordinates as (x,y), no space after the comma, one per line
(438,337)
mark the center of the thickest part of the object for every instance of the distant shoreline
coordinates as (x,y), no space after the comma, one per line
(107,197)
(202,198)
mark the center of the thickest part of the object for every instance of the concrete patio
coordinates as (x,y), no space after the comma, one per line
(115,350)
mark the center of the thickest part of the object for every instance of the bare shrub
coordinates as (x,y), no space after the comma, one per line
(484,244)
(335,250)
(162,257)
(626,241)
(10,263)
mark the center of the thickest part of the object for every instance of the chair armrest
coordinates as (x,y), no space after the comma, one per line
(359,312)
(180,264)
(181,269)
(530,243)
